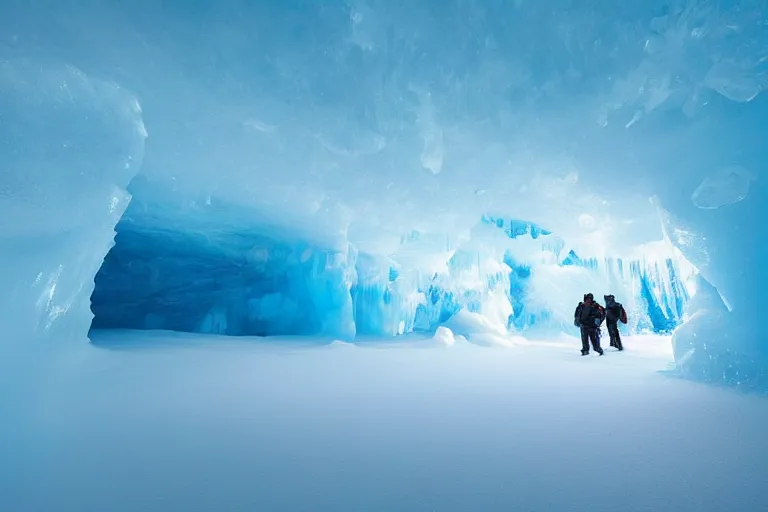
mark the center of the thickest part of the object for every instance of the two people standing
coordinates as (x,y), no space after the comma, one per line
(589,316)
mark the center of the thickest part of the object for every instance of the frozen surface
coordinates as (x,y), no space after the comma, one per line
(165,421)
(347,126)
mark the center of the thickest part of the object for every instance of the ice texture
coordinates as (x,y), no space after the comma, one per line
(722,188)
(342,128)
(218,271)
(69,145)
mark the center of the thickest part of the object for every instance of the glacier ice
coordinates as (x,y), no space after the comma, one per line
(734,82)
(223,273)
(723,187)
(334,167)
(69,145)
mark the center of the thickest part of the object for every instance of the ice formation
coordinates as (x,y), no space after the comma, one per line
(722,188)
(69,144)
(340,168)
(223,273)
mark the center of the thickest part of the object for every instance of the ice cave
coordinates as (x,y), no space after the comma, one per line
(325,254)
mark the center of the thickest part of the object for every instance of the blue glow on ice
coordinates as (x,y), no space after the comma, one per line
(384,146)
(438,174)
(216,272)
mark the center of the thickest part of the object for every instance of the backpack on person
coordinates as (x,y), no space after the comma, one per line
(617,309)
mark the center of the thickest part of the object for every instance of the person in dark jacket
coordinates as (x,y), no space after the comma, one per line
(614,313)
(588,317)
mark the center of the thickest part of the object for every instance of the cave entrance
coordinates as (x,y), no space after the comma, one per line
(218,282)
(202,267)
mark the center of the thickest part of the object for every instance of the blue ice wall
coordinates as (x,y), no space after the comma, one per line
(215,273)
(359,119)
(211,270)
(167,280)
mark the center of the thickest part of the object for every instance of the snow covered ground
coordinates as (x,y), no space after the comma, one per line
(164,422)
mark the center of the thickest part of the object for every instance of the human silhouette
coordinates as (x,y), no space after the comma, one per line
(614,313)
(588,317)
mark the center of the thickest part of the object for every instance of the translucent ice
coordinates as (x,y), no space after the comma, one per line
(328,166)
(735,82)
(69,144)
(449,174)
(722,188)
(226,274)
